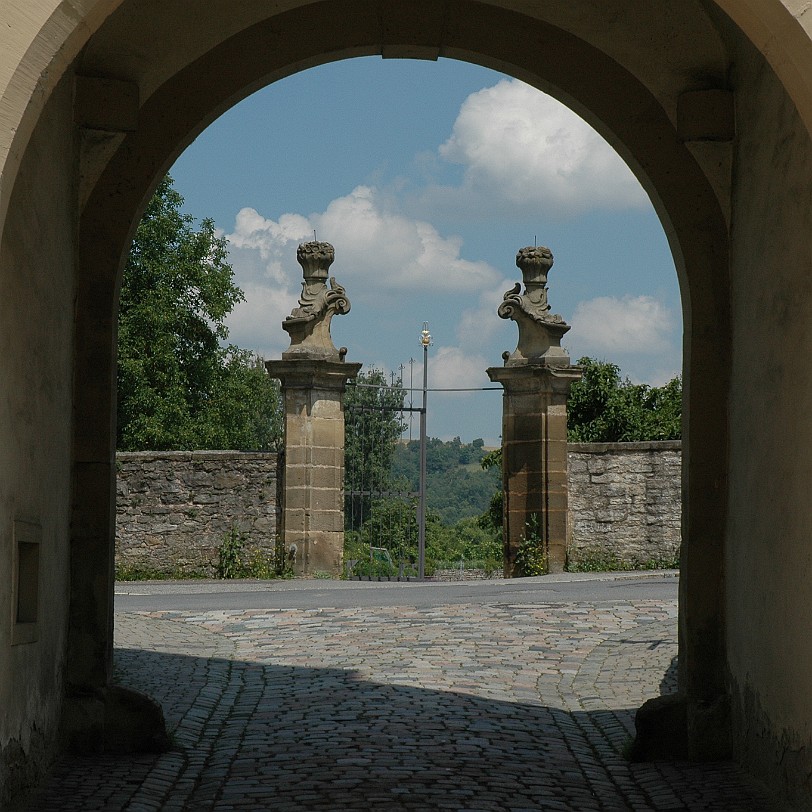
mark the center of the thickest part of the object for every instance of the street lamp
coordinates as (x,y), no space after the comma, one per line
(425,343)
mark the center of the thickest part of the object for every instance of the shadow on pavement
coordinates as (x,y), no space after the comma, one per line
(248,735)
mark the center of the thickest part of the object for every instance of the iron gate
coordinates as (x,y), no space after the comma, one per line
(384,518)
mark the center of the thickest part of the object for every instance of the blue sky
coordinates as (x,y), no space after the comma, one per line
(427,178)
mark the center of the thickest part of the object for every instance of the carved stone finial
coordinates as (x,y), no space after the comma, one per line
(309,324)
(315,259)
(534,262)
(540,331)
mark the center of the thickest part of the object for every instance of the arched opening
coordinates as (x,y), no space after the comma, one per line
(398,254)
(637,73)
(608,96)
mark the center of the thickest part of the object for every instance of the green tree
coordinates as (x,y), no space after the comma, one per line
(456,485)
(373,425)
(492,518)
(178,387)
(602,407)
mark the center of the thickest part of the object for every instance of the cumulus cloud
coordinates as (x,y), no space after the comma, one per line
(454,368)
(257,245)
(479,326)
(639,325)
(520,147)
(256,323)
(373,242)
(379,252)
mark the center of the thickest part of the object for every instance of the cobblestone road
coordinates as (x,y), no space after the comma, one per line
(463,707)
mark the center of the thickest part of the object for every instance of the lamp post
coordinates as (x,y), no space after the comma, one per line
(425,342)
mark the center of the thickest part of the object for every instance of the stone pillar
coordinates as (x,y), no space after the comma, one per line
(314,375)
(312,525)
(536,378)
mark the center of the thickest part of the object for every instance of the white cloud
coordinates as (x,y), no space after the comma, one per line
(452,414)
(380,254)
(374,245)
(639,325)
(520,147)
(478,325)
(256,323)
(257,245)
(453,368)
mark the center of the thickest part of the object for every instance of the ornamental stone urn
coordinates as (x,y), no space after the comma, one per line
(309,324)
(540,331)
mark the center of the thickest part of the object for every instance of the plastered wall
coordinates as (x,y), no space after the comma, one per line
(36,320)
(769,544)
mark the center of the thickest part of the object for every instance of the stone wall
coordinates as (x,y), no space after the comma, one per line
(174,509)
(624,502)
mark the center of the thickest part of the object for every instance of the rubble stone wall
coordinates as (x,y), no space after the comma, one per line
(175,509)
(624,502)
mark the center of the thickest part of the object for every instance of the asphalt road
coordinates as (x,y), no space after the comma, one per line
(134,596)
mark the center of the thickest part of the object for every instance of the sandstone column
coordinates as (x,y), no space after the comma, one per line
(313,375)
(536,378)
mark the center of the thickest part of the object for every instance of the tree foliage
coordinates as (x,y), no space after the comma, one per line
(603,408)
(178,387)
(382,476)
(372,426)
(456,485)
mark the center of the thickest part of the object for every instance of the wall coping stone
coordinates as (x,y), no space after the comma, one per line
(194,455)
(613,448)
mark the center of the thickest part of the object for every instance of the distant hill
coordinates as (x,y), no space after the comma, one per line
(456,485)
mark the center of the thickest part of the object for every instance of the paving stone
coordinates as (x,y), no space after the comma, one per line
(464,707)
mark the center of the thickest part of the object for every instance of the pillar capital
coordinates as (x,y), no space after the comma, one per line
(535,379)
(312,373)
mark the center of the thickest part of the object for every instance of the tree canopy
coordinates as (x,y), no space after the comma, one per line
(604,408)
(457,487)
(178,386)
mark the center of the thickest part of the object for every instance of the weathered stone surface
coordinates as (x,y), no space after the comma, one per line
(134,722)
(313,479)
(309,323)
(662,729)
(211,492)
(540,331)
(625,501)
(534,458)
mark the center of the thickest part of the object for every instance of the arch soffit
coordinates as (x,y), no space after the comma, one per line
(46,35)
(606,94)
(782,31)
(39,40)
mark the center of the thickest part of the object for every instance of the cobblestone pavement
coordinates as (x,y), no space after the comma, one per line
(464,707)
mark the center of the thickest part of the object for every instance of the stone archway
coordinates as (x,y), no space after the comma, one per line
(656,82)
(684,197)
